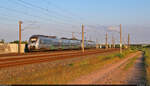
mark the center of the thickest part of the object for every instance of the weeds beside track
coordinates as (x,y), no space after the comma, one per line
(147,64)
(9,62)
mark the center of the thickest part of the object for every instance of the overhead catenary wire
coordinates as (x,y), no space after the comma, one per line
(5,17)
(48,12)
(29,26)
(38,16)
(16,18)
(34,16)
(64,10)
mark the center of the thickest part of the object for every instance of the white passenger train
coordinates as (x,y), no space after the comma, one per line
(41,42)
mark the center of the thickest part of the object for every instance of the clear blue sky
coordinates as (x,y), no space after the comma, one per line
(61,17)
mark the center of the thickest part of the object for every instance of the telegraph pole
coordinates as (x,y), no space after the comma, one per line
(19,47)
(128,40)
(82,38)
(106,44)
(120,39)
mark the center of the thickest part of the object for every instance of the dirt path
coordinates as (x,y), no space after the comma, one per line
(137,73)
(115,74)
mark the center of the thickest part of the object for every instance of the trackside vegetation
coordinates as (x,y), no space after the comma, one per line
(62,74)
(130,63)
(147,63)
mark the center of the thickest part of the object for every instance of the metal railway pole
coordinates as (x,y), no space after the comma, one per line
(128,40)
(120,39)
(82,38)
(19,47)
(96,43)
(112,41)
(106,44)
(73,37)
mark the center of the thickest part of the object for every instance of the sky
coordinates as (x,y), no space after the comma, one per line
(62,17)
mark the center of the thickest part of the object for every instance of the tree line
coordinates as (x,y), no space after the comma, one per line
(15,41)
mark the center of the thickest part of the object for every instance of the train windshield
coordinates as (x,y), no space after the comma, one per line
(33,40)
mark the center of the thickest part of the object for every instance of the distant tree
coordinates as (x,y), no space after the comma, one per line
(24,42)
(2,41)
(17,42)
(147,46)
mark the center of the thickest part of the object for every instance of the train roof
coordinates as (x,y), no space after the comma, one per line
(90,41)
(69,38)
(73,39)
(64,38)
(60,38)
(43,36)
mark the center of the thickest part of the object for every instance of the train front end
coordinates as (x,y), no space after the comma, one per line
(33,43)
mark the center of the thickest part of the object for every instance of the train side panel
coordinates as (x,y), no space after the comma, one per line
(37,42)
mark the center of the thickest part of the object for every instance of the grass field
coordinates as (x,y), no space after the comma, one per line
(147,63)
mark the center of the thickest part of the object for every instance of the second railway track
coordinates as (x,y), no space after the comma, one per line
(9,62)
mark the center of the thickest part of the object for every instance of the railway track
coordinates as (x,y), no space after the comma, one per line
(43,52)
(9,62)
(5,56)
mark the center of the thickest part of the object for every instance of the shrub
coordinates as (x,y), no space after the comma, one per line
(119,55)
(71,64)
(84,62)
(147,63)
(107,57)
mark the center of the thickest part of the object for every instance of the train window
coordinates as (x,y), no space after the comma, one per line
(33,40)
(40,41)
